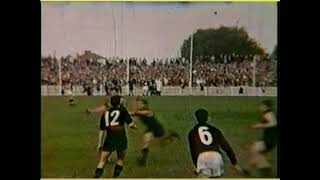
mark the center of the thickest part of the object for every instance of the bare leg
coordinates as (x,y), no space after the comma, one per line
(119,165)
(102,162)
(256,158)
(146,138)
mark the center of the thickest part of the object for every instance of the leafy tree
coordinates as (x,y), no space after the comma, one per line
(221,43)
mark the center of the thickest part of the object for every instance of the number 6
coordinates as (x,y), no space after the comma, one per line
(205,135)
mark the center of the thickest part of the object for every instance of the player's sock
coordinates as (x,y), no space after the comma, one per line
(117,170)
(145,152)
(98,173)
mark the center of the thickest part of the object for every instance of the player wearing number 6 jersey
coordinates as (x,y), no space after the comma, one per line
(205,142)
(112,122)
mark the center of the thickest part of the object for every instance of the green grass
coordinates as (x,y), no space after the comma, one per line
(69,136)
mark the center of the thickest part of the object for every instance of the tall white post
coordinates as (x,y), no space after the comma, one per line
(115,34)
(254,72)
(60,79)
(191,54)
(128,73)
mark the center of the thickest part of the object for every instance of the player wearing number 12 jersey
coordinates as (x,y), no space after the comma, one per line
(106,104)
(205,142)
(112,122)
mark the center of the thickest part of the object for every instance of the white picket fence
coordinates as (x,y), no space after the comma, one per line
(174,91)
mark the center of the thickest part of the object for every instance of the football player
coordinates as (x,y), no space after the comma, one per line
(70,93)
(205,142)
(112,124)
(259,149)
(153,128)
(114,91)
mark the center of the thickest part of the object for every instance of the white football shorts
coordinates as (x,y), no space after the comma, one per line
(210,164)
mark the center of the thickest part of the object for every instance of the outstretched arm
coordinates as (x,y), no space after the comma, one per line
(141,113)
(97,109)
(270,121)
(101,108)
(129,121)
(133,126)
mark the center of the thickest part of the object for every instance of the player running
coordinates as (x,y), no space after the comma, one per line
(154,129)
(69,89)
(114,91)
(205,142)
(112,122)
(259,149)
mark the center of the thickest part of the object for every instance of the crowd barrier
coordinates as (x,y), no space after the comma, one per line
(173,91)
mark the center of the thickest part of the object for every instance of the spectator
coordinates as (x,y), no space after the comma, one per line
(159,87)
(241,90)
(145,89)
(131,88)
(201,87)
(106,88)
(98,88)
(88,90)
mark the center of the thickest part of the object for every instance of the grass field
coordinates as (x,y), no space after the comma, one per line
(69,136)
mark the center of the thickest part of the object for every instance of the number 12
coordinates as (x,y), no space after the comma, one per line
(115,114)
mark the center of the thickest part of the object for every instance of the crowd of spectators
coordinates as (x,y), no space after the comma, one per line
(171,71)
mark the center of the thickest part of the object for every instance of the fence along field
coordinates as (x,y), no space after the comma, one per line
(176,91)
(69,136)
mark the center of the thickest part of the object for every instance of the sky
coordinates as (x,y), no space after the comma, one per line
(146,29)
